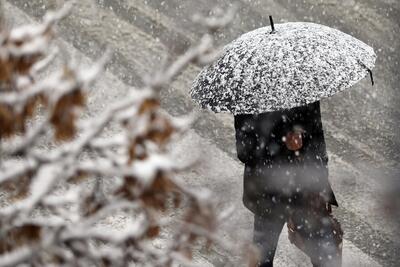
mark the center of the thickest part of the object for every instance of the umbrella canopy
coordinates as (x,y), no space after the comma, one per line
(293,65)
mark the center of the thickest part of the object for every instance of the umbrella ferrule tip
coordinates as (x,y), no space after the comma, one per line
(272,25)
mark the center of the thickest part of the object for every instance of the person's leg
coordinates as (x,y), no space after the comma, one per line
(266,235)
(314,230)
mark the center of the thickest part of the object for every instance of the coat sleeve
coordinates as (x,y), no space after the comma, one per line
(246,139)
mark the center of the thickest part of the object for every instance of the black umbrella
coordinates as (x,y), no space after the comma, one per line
(291,65)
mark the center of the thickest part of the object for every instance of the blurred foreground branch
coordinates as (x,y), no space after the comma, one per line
(53,163)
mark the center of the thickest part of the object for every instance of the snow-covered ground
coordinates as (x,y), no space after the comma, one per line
(361,140)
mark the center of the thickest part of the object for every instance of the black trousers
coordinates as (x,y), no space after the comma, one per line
(311,228)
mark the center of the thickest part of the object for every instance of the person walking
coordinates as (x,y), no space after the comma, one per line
(286,181)
(272,79)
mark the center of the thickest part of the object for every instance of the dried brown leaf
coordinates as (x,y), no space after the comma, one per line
(6,120)
(149,105)
(17,188)
(18,236)
(6,68)
(24,63)
(153,231)
(63,116)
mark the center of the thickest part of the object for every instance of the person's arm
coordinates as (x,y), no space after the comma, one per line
(316,135)
(246,140)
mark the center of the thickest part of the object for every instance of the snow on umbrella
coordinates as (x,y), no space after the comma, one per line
(293,65)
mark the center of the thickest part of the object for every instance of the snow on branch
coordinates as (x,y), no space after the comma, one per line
(54,163)
(221,18)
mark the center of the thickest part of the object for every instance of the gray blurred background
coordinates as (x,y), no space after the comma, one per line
(361,125)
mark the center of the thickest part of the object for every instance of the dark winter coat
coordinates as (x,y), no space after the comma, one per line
(272,171)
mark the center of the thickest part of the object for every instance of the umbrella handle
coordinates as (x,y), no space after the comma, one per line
(371,76)
(369,71)
(272,25)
